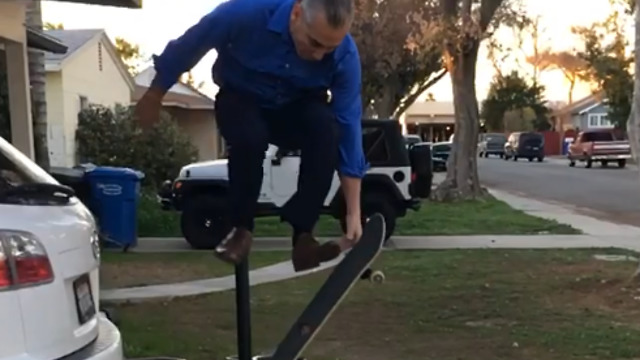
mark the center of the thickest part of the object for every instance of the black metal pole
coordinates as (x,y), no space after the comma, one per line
(243,311)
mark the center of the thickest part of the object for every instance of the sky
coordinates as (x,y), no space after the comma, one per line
(162,20)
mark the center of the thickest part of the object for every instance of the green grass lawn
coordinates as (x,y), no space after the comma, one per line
(491,217)
(440,305)
(130,269)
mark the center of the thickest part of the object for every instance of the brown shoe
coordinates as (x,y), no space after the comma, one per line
(308,253)
(235,247)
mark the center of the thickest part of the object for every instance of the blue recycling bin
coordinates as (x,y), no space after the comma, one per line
(115,194)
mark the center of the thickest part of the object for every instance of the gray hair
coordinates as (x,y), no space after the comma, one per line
(337,12)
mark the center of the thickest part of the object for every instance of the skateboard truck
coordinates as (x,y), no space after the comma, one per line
(354,266)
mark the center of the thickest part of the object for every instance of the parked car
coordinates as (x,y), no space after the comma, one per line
(599,145)
(528,145)
(491,144)
(440,153)
(411,140)
(49,261)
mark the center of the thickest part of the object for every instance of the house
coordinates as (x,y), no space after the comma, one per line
(433,120)
(193,110)
(90,72)
(15,39)
(590,112)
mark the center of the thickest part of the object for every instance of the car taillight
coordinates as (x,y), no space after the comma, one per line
(413,177)
(23,260)
(5,274)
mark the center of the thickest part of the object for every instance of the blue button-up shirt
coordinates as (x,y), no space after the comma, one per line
(256,54)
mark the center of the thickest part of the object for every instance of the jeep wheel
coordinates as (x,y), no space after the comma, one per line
(377,204)
(203,223)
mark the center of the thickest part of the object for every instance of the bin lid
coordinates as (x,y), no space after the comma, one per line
(111,171)
(68,172)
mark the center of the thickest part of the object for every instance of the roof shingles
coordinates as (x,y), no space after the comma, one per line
(73,39)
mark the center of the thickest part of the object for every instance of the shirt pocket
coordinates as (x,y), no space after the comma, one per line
(260,53)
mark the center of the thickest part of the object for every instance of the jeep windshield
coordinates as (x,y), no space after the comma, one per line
(22,182)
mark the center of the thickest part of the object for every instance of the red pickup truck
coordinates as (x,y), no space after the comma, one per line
(599,145)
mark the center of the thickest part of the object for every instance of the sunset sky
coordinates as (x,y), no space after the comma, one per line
(162,20)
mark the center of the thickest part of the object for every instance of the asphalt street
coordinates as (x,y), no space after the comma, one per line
(609,193)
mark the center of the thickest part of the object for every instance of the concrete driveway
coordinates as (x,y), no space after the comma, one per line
(609,193)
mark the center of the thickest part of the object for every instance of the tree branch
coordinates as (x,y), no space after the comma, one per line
(409,99)
(466,13)
(449,8)
(487,10)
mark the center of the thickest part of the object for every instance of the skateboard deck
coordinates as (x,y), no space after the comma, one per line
(344,275)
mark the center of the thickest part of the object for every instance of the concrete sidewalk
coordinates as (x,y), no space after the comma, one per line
(284,270)
(597,234)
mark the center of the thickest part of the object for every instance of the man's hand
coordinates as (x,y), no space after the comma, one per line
(354,232)
(148,108)
(351,189)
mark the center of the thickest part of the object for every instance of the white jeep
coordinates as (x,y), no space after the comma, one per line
(393,184)
(49,261)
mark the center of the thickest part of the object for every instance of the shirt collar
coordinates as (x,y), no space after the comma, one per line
(279,21)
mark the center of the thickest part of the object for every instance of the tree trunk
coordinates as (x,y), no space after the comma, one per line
(385,104)
(37,80)
(462,180)
(633,123)
(572,84)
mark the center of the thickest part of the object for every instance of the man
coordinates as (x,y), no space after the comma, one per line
(276,61)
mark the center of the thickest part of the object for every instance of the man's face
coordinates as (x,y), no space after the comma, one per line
(314,38)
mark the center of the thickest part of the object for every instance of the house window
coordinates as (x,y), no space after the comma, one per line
(84,102)
(599,121)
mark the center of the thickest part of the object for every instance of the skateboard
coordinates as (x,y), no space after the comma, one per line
(354,266)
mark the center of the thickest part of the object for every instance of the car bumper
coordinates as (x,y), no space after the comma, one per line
(611,157)
(165,196)
(414,204)
(108,345)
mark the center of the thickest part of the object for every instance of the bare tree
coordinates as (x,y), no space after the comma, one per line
(570,64)
(633,123)
(464,27)
(536,58)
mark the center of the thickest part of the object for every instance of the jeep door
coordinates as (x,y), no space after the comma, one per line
(285,167)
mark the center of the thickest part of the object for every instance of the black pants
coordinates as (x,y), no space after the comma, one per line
(307,125)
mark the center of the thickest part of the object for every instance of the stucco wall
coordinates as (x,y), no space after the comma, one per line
(91,73)
(12,19)
(13,35)
(201,126)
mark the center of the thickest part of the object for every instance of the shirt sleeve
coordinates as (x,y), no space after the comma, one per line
(183,53)
(347,106)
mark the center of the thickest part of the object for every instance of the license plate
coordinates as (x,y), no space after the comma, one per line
(84,299)
(535,148)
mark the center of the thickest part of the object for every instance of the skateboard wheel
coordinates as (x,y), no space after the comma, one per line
(377,277)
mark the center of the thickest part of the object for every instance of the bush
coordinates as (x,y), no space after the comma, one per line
(112,137)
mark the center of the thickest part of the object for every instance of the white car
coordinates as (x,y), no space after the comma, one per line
(49,259)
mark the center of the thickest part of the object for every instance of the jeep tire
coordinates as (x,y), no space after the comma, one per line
(203,222)
(377,203)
